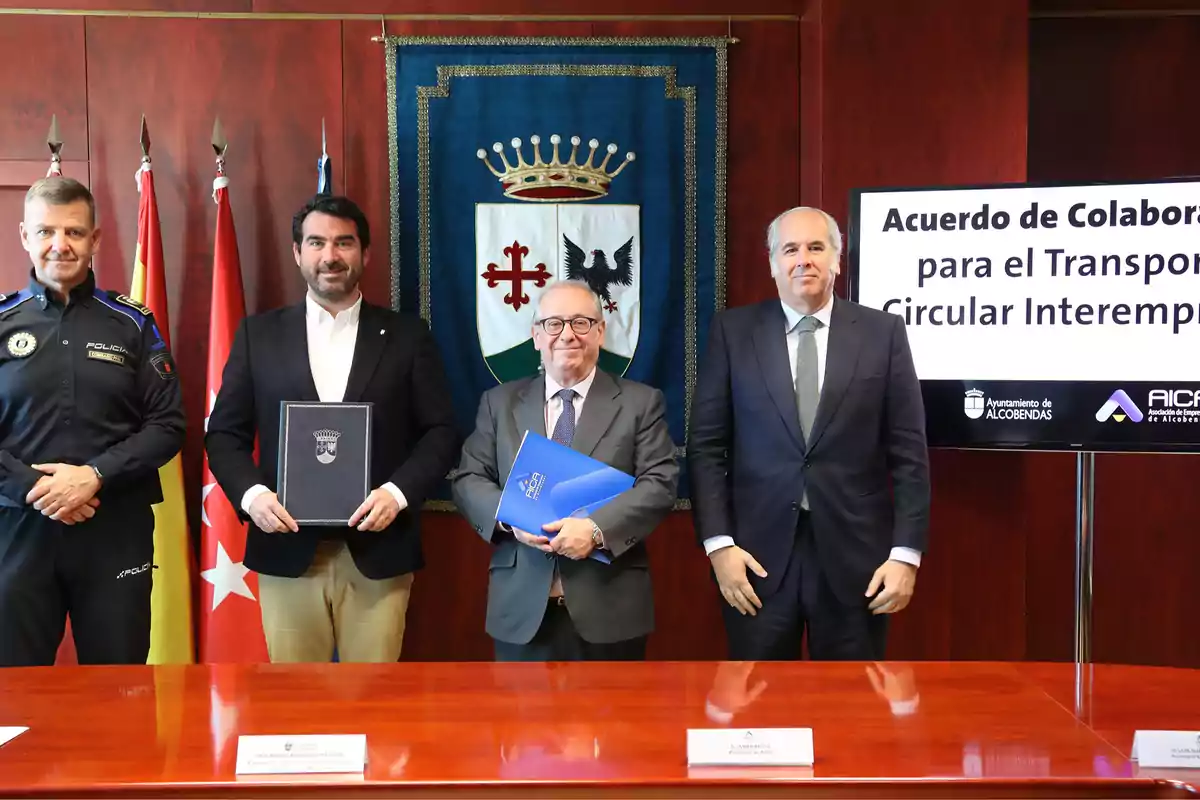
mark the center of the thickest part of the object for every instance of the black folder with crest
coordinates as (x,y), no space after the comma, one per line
(324,460)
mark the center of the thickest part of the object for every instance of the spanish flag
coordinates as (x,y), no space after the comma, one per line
(171,599)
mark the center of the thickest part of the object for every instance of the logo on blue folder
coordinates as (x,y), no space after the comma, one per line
(549,482)
(532,486)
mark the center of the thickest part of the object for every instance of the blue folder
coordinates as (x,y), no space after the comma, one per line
(548,482)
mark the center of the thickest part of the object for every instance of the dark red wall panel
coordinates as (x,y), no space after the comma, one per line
(207,6)
(1114,8)
(270,83)
(553,8)
(32,90)
(1112,100)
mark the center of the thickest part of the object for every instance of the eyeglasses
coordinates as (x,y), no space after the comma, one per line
(581,326)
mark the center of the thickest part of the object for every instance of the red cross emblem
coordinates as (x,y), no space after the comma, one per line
(494,274)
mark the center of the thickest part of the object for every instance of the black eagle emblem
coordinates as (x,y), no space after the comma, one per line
(601,274)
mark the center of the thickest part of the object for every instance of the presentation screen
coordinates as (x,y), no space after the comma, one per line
(1059,317)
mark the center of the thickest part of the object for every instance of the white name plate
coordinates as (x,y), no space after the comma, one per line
(1166,749)
(773,747)
(7,734)
(279,755)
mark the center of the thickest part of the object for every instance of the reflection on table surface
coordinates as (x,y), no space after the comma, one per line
(587,724)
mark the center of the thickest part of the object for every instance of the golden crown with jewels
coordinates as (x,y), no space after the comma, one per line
(554,181)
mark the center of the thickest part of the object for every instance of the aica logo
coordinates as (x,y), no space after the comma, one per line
(1119,406)
(532,486)
(973,404)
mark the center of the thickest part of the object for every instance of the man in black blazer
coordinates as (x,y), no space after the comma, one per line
(809,468)
(326,587)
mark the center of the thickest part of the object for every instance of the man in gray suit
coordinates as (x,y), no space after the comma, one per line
(547,600)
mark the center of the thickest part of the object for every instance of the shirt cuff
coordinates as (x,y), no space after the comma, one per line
(905,554)
(107,465)
(717,714)
(250,495)
(714,543)
(395,492)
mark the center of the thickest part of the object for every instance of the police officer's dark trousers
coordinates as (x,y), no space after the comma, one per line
(99,571)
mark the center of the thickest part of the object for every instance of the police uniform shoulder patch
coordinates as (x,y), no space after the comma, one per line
(131,309)
(10,301)
(126,300)
(164,365)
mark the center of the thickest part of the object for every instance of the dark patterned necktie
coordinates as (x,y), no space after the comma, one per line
(564,429)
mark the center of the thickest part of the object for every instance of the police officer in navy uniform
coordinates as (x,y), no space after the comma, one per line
(89,410)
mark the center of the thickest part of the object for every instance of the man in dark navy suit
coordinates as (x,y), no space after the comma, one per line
(809,468)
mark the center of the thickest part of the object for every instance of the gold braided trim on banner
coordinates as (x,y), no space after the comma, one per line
(447,73)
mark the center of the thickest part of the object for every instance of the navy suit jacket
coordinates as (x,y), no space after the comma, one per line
(865,467)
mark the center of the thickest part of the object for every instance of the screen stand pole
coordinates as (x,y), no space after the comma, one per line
(1085,475)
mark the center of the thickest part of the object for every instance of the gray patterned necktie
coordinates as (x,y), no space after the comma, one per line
(564,429)
(808,394)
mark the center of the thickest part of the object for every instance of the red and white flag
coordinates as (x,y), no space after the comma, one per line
(230,618)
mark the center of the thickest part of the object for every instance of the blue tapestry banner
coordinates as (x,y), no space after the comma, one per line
(517,162)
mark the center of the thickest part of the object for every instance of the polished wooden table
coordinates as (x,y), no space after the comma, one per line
(575,730)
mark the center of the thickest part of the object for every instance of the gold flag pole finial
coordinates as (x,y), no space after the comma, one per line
(220,144)
(56,145)
(144,140)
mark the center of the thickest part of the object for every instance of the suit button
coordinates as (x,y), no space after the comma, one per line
(549,556)
(795,506)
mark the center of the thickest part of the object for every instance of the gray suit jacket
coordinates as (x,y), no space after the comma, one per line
(621,424)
